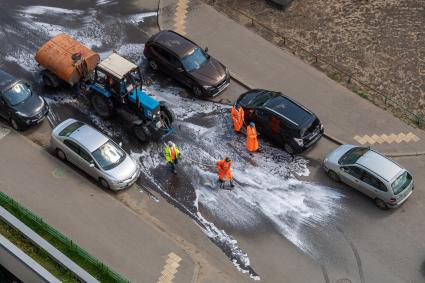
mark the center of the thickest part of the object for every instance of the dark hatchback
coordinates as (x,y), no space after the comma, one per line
(186,62)
(19,105)
(281,119)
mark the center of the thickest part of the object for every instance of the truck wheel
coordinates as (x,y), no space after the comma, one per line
(103,106)
(15,124)
(142,133)
(167,116)
(289,148)
(49,80)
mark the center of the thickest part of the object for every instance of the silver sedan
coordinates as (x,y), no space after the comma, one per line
(370,172)
(94,153)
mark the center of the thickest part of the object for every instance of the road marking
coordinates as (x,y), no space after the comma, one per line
(170,268)
(4,132)
(180,17)
(409,137)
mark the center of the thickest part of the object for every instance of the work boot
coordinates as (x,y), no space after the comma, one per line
(231,184)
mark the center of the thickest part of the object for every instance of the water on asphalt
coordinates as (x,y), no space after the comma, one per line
(267,189)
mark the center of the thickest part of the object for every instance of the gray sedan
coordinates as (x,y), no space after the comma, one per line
(94,153)
(373,174)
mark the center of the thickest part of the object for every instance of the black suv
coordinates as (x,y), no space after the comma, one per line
(19,105)
(186,62)
(281,119)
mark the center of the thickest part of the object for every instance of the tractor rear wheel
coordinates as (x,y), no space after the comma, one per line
(49,80)
(142,133)
(104,106)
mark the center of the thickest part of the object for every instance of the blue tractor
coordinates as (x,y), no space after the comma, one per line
(116,85)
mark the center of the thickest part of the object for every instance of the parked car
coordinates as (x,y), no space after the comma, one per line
(186,62)
(19,104)
(281,119)
(95,154)
(370,172)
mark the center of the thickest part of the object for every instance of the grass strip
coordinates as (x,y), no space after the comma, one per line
(36,253)
(94,267)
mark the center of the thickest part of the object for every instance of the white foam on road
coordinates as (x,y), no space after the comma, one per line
(140,18)
(48,10)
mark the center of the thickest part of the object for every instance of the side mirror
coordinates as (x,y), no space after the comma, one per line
(92,165)
(206,49)
(120,144)
(180,69)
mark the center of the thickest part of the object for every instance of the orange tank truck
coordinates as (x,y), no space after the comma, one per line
(65,58)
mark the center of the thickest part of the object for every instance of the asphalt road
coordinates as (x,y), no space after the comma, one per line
(290,222)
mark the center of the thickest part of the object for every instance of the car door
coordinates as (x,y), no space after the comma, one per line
(4,108)
(87,163)
(373,187)
(352,175)
(164,58)
(72,150)
(262,120)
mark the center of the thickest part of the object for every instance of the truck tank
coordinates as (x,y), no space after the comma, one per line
(67,58)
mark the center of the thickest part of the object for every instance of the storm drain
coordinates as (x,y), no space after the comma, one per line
(343,280)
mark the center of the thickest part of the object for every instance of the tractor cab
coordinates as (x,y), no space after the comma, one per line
(118,82)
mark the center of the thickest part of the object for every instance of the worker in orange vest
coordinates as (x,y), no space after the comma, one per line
(224,172)
(251,138)
(238,117)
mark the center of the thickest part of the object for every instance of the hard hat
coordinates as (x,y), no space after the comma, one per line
(227,159)
(252,124)
(170,143)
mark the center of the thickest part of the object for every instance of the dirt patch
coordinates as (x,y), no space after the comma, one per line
(380,43)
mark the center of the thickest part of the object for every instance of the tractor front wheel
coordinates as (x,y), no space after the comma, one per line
(103,106)
(166,115)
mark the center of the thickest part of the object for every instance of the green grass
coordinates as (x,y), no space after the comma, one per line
(96,269)
(336,76)
(36,253)
(362,93)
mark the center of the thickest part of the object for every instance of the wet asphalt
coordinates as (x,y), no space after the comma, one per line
(204,136)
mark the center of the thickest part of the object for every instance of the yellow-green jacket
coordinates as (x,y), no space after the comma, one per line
(168,153)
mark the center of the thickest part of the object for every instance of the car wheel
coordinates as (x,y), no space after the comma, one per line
(197,91)
(103,184)
(60,154)
(381,204)
(154,65)
(15,124)
(334,176)
(289,148)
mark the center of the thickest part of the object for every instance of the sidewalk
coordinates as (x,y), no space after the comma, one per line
(88,215)
(345,115)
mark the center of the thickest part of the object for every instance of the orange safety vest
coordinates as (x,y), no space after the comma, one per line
(173,153)
(223,170)
(237,117)
(251,139)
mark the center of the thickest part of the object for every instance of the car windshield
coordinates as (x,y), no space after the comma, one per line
(109,155)
(194,60)
(351,156)
(70,129)
(401,183)
(17,94)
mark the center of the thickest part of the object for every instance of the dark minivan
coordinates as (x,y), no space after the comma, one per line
(281,119)
(186,62)
(19,105)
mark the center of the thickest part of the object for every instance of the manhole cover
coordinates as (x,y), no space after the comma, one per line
(344,280)
(58,173)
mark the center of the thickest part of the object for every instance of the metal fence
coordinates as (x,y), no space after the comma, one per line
(385,99)
(69,248)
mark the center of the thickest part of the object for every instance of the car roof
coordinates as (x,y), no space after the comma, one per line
(89,137)
(288,108)
(175,42)
(116,65)
(6,80)
(380,165)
